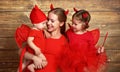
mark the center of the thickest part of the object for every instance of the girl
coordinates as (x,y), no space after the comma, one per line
(84,56)
(56,44)
(36,39)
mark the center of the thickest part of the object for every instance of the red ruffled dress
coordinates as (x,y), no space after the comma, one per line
(84,56)
(54,52)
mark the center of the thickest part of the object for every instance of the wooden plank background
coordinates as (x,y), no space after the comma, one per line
(105,16)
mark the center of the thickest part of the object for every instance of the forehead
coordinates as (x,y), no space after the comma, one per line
(52,16)
(76,19)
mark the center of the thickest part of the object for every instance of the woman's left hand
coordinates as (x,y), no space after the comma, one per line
(37,62)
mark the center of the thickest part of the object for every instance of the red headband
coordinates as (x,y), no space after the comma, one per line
(66,12)
(75,9)
(84,15)
(37,16)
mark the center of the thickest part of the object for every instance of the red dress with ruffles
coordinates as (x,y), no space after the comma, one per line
(83,55)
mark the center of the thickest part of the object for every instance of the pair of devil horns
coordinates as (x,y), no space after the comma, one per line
(51,7)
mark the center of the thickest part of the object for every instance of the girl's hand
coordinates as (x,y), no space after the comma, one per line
(37,62)
(100,49)
(37,51)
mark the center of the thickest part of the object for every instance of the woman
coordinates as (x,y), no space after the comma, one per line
(56,45)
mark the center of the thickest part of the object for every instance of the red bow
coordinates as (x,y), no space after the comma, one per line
(84,15)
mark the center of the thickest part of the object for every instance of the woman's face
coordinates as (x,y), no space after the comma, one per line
(53,23)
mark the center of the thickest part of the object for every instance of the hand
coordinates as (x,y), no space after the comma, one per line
(100,49)
(37,51)
(44,61)
(37,62)
(42,56)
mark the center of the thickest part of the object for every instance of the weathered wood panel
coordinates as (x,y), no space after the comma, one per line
(11,20)
(113,30)
(10,60)
(105,16)
(112,43)
(92,5)
(97,17)
(14,17)
(16,5)
(113,67)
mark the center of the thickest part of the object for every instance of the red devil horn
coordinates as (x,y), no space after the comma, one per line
(66,12)
(36,7)
(51,6)
(75,9)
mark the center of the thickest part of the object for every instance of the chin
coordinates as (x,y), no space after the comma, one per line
(50,29)
(74,30)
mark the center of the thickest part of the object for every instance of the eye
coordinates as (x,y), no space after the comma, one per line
(52,21)
(74,24)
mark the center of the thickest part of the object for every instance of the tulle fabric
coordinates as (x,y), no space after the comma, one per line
(82,55)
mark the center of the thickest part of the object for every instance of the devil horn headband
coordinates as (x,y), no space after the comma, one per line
(75,9)
(66,12)
(51,6)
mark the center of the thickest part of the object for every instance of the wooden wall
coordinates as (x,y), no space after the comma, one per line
(105,16)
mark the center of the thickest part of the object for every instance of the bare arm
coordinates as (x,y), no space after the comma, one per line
(47,34)
(33,46)
(36,60)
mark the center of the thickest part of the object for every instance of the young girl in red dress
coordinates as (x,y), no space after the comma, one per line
(84,56)
(36,39)
(55,44)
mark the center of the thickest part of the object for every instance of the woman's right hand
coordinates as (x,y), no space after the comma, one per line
(37,62)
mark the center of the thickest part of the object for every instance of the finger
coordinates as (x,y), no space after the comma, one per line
(45,63)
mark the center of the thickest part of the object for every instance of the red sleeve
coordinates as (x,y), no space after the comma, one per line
(32,33)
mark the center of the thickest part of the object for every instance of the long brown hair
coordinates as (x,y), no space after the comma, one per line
(83,16)
(61,17)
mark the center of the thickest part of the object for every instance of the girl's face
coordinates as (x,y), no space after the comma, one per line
(77,25)
(41,25)
(53,23)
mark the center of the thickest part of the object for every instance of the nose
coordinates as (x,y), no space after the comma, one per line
(73,25)
(48,23)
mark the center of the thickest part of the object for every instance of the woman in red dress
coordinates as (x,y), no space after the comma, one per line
(84,55)
(56,44)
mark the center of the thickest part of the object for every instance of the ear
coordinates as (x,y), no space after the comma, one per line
(61,24)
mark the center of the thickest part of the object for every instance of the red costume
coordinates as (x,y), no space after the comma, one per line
(39,40)
(54,52)
(83,52)
(22,33)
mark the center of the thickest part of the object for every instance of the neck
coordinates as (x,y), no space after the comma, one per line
(81,32)
(56,34)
